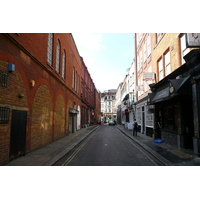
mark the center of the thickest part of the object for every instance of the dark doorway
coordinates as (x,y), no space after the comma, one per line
(18,133)
(188,120)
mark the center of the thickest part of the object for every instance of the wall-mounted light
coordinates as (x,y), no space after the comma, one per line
(11,67)
(20,95)
(32,83)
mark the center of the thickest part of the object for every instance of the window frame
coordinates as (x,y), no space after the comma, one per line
(160,71)
(58,48)
(183,49)
(73,78)
(63,64)
(167,63)
(50,49)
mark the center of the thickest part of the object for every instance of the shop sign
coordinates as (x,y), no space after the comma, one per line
(72,111)
(148,76)
(161,94)
(192,40)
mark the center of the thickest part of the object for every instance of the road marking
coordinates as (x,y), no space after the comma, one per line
(76,152)
(139,148)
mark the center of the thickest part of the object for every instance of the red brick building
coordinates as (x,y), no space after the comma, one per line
(40,91)
(88,98)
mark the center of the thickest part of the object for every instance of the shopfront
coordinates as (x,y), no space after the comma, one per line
(172,98)
(177,105)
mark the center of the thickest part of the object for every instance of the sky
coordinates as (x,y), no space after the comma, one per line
(107,56)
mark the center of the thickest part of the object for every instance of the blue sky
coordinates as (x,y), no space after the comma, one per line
(106,55)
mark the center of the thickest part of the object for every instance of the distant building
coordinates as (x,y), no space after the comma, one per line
(108,105)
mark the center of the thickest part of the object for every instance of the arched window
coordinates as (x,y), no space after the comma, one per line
(50,49)
(63,63)
(58,56)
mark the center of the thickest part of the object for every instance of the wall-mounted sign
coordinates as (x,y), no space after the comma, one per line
(192,40)
(72,111)
(148,76)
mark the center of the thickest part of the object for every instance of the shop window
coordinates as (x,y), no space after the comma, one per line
(4,115)
(169,114)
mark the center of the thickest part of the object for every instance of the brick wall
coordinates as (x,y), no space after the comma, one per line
(9,99)
(49,100)
(42,112)
(59,118)
(170,41)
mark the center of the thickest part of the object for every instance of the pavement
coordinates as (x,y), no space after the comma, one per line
(50,154)
(165,153)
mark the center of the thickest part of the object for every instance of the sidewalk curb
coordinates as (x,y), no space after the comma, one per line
(68,148)
(152,152)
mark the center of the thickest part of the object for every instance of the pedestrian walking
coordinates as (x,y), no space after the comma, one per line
(135,127)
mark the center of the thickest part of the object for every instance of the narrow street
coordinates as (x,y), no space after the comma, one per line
(107,146)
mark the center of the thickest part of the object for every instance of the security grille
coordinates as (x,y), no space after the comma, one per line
(3,78)
(4,115)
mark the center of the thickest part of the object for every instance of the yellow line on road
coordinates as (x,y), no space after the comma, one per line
(76,152)
(139,148)
(73,155)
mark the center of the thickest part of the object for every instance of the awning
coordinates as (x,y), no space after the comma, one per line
(173,88)
(126,97)
(180,86)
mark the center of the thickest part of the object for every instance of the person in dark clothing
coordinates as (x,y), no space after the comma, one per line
(135,127)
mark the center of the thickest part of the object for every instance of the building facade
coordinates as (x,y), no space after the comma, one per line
(108,107)
(143,65)
(88,97)
(172,104)
(174,92)
(40,89)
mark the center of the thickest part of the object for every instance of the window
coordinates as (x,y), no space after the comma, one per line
(183,48)
(3,78)
(149,43)
(50,49)
(167,63)
(160,70)
(138,115)
(63,64)
(4,115)
(141,59)
(76,78)
(58,56)
(158,36)
(169,119)
(73,78)
(78,83)
(145,52)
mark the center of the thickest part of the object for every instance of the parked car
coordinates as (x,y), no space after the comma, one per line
(111,123)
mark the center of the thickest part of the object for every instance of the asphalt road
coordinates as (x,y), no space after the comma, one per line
(107,146)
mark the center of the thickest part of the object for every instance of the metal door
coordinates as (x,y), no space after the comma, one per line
(18,133)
